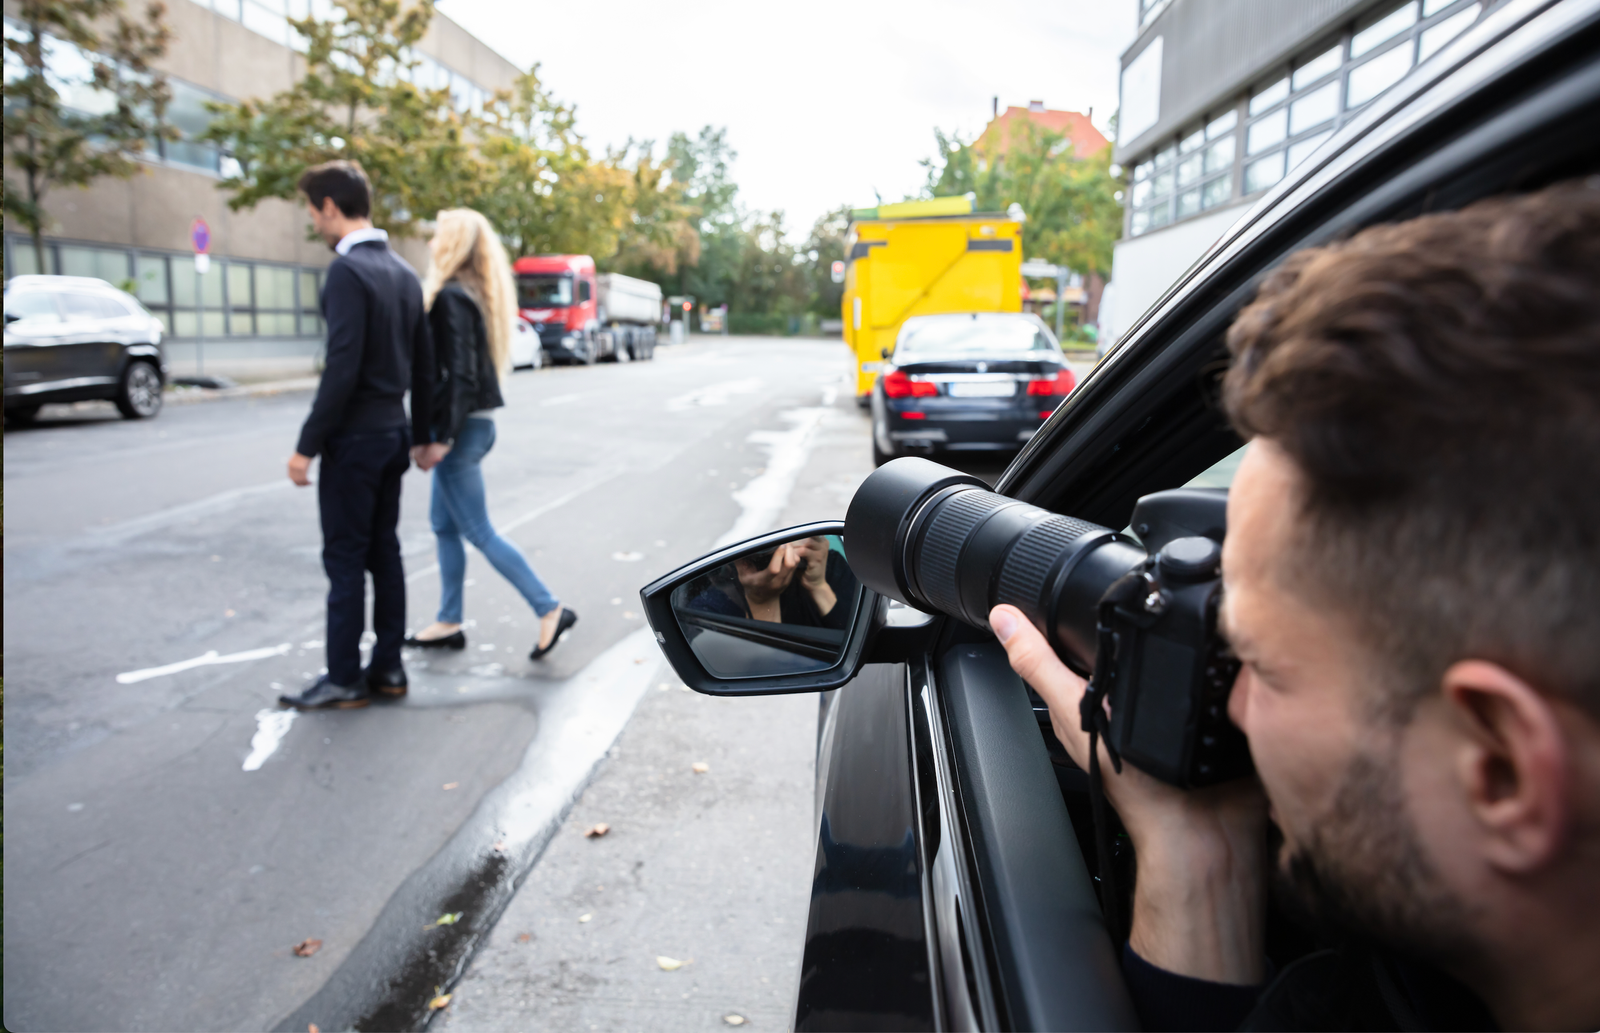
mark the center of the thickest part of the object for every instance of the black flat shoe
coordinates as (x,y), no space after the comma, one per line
(567,619)
(390,684)
(455,641)
(324,694)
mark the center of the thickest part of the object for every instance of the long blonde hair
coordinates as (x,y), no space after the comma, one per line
(466,248)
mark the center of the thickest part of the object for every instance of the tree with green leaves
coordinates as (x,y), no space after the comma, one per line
(824,247)
(356,102)
(82,99)
(1073,213)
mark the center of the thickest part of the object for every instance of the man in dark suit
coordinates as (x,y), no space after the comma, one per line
(378,348)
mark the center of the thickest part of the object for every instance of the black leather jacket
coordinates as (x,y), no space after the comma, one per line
(466,380)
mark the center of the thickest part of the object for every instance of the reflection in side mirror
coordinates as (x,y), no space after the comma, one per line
(780,609)
(782,612)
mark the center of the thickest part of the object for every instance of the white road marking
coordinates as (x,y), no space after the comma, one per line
(271,727)
(560,400)
(763,500)
(714,394)
(190,510)
(129,677)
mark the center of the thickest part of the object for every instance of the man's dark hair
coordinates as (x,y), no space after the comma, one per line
(1437,384)
(344,181)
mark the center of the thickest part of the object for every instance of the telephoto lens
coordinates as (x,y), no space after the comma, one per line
(939,540)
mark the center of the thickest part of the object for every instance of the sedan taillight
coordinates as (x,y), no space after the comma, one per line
(898,385)
(1062,383)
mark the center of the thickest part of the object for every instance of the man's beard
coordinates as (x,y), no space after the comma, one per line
(1361,873)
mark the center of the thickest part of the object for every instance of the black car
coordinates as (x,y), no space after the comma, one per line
(954,880)
(73,338)
(966,382)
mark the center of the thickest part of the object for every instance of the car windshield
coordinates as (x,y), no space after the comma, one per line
(973,337)
(537,290)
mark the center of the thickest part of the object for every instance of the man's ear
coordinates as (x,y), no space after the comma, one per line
(1513,764)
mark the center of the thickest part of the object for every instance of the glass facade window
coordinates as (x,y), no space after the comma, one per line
(1263,172)
(1315,108)
(1383,30)
(1288,116)
(150,272)
(100,263)
(1317,68)
(1263,99)
(1268,131)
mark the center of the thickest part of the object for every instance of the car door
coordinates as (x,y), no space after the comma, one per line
(92,345)
(34,328)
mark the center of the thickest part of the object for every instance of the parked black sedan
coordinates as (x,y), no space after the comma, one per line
(966,382)
(954,876)
(73,338)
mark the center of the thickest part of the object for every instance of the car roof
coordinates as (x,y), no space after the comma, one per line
(34,281)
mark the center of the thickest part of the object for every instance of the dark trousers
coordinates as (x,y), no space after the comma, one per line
(358,491)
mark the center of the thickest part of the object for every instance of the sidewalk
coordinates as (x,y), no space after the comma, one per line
(186,395)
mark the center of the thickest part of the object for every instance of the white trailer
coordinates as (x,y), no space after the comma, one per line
(629,312)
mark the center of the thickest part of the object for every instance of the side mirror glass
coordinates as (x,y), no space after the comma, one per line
(779,613)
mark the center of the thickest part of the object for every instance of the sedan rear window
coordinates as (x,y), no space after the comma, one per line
(974,337)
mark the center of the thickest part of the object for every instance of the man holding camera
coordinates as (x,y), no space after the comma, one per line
(1412,584)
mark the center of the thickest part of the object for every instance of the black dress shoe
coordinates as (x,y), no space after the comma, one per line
(456,641)
(567,619)
(324,694)
(386,683)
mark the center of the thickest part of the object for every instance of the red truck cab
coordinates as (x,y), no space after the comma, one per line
(557,294)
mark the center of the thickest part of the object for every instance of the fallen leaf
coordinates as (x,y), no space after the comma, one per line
(306,948)
(312,1028)
(227,613)
(452,785)
(440,1002)
(445,919)
(598,830)
(670,964)
(638,661)
(629,615)
(701,767)
(734,1020)
(499,845)
(584,918)
(524,938)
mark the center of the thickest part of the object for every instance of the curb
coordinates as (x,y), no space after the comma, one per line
(191,395)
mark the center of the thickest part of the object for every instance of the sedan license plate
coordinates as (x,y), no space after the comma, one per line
(983,389)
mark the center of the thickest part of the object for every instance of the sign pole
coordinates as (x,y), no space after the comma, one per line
(200,236)
(1062,272)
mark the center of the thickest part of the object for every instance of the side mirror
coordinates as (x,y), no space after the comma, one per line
(885,352)
(779,613)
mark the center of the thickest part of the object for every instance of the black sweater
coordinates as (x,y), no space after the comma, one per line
(378,348)
(465,377)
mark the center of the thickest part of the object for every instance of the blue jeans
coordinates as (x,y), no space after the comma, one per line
(459,510)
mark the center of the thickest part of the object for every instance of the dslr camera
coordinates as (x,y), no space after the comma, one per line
(1137,613)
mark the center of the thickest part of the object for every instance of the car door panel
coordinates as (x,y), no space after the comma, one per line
(1056,965)
(865,965)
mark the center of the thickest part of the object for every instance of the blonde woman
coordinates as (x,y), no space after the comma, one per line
(471,300)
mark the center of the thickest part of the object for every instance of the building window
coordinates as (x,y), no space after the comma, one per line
(1290,115)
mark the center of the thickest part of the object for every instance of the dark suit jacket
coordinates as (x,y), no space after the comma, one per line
(378,348)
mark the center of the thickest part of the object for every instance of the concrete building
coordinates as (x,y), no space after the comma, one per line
(1220,98)
(256,309)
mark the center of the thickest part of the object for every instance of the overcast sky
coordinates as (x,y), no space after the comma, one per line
(824,102)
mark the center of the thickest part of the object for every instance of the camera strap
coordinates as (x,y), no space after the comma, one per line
(1095,721)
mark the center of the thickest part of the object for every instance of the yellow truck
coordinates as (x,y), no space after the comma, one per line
(920,258)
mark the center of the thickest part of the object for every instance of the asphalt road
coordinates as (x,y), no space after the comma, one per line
(172,835)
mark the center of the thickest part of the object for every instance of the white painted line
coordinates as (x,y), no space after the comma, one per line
(271,727)
(560,400)
(714,394)
(763,500)
(129,677)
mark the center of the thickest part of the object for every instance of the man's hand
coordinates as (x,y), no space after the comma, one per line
(815,577)
(763,585)
(1200,900)
(300,469)
(428,456)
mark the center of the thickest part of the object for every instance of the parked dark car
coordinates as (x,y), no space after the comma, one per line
(72,338)
(966,382)
(953,885)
